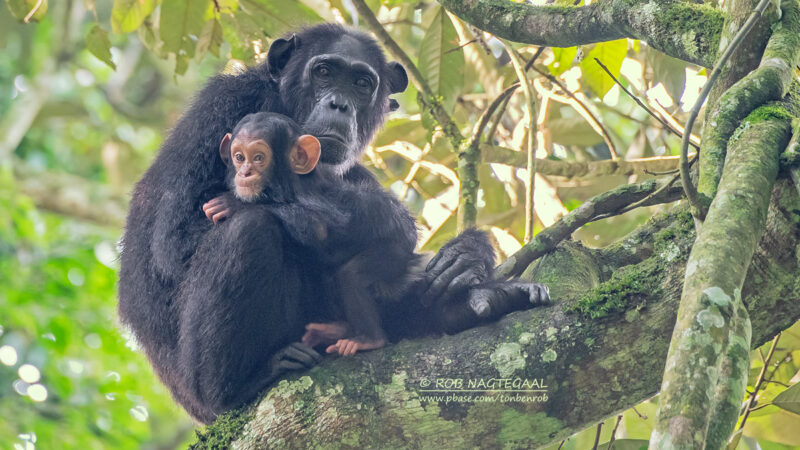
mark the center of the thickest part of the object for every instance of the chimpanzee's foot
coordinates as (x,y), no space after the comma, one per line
(348,347)
(324,333)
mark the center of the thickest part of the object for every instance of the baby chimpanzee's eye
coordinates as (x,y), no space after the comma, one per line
(259,158)
(239,157)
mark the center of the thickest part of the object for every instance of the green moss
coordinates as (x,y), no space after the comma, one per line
(686,20)
(224,430)
(768,112)
(615,294)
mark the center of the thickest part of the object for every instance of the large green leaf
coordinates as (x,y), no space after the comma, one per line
(611,55)
(98,44)
(789,399)
(179,20)
(562,60)
(441,61)
(21,8)
(671,72)
(573,131)
(128,15)
(276,18)
(210,39)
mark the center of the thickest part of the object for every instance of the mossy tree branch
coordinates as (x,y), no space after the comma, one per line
(712,326)
(769,82)
(654,21)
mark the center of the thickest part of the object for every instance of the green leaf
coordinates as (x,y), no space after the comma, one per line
(275,18)
(789,399)
(98,44)
(20,9)
(210,39)
(573,131)
(671,72)
(441,61)
(562,60)
(733,442)
(611,55)
(128,15)
(179,20)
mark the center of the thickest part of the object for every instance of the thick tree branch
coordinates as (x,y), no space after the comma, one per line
(709,316)
(684,30)
(769,82)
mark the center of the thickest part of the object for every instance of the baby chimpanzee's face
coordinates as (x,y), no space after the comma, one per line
(252,159)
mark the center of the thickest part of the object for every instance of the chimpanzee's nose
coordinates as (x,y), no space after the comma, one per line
(338,102)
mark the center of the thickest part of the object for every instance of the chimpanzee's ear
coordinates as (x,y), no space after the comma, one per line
(225,149)
(279,53)
(398,79)
(305,155)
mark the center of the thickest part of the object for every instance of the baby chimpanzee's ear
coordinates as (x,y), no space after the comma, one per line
(305,154)
(225,149)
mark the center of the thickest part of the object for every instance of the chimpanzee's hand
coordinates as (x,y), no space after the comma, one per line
(495,299)
(463,262)
(217,209)
(295,356)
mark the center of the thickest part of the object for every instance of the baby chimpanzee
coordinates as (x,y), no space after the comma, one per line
(265,153)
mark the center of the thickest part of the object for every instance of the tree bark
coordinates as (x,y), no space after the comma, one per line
(598,351)
(684,30)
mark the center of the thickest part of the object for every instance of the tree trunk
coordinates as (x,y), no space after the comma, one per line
(598,351)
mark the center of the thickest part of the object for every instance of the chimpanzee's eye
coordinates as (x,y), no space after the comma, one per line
(258,158)
(364,82)
(239,157)
(323,70)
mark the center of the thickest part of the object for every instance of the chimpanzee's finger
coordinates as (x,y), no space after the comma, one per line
(221,215)
(302,353)
(442,281)
(285,364)
(434,260)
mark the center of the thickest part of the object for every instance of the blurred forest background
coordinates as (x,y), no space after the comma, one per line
(89,88)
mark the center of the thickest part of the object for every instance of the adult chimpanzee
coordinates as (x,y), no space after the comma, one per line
(336,83)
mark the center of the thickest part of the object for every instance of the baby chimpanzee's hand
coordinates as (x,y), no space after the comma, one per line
(217,209)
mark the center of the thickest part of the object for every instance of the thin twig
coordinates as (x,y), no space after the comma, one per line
(597,436)
(497,118)
(614,433)
(597,125)
(455,49)
(759,381)
(604,205)
(692,195)
(641,416)
(33,11)
(644,106)
(530,99)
